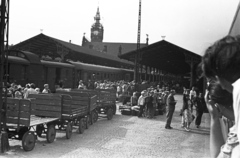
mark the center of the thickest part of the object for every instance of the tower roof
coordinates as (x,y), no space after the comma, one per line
(97,17)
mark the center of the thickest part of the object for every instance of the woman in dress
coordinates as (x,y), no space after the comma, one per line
(187,114)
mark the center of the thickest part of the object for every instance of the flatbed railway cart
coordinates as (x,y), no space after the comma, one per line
(106,101)
(69,113)
(22,118)
(86,103)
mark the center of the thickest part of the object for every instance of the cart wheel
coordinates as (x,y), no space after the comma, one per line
(81,126)
(28,141)
(51,133)
(114,109)
(109,114)
(69,130)
(39,130)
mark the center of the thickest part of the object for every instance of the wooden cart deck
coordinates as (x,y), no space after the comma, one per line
(35,120)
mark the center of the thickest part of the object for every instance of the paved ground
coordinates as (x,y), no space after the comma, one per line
(125,137)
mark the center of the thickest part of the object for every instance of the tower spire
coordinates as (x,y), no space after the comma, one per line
(97,29)
(97,17)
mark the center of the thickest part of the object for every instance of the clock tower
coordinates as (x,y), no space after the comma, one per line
(97,29)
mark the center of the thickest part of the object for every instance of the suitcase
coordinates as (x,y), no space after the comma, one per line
(126,112)
(135,112)
(121,107)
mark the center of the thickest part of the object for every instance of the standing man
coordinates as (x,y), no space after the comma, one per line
(193,96)
(170,109)
(141,103)
(199,109)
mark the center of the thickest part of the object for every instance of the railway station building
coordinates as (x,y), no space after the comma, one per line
(160,61)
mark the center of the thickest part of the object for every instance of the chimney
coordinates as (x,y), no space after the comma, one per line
(70,41)
(147,40)
(83,39)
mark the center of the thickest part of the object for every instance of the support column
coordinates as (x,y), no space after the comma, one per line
(191,61)
(146,73)
(150,74)
(191,74)
(153,74)
(141,72)
(4,29)
(136,68)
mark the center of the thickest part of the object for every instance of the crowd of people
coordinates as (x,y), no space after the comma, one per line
(163,99)
(17,91)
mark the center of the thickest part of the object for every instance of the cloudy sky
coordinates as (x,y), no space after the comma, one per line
(191,24)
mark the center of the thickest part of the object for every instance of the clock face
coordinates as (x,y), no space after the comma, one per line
(95,32)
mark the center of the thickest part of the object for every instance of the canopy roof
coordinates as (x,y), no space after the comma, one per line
(165,56)
(43,45)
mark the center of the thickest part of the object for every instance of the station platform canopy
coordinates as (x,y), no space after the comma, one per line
(48,47)
(165,56)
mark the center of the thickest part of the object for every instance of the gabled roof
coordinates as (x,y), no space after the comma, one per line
(166,56)
(113,48)
(43,45)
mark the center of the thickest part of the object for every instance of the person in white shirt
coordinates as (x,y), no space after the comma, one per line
(46,89)
(31,90)
(193,93)
(81,85)
(193,97)
(141,103)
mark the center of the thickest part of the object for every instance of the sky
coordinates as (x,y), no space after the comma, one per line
(190,24)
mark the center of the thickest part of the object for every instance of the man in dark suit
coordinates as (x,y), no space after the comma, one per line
(199,109)
(170,109)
